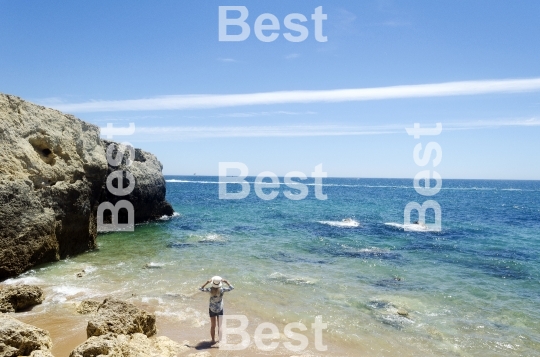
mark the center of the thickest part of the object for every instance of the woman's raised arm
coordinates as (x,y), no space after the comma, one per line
(202,287)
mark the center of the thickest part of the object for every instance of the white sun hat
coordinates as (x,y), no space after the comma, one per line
(216,282)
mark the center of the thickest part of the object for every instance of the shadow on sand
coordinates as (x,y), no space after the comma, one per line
(204,345)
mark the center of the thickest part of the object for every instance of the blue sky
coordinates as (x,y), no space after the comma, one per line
(137,62)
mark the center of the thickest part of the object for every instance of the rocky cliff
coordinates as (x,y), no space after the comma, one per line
(53,171)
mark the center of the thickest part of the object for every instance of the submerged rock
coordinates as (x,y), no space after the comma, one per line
(20,339)
(120,318)
(389,314)
(19,297)
(402,312)
(290,279)
(52,179)
(136,345)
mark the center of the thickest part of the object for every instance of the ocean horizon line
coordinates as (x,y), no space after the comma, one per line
(372,178)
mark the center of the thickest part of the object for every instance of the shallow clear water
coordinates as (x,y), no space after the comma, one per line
(471,290)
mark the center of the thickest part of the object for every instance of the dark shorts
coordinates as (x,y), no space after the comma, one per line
(213,314)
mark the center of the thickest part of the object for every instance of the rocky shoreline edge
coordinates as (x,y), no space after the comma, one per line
(115,328)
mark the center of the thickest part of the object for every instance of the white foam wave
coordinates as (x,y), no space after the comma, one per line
(90,269)
(63,292)
(30,280)
(411,227)
(154,265)
(69,290)
(148,299)
(190,315)
(168,313)
(166,218)
(345,223)
(206,238)
(212,237)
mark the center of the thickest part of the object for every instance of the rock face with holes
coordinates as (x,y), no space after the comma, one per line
(119,317)
(19,297)
(118,328)
(20,339)
(53,172)
(135,345)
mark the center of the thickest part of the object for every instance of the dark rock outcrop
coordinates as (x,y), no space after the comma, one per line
(148,196)
(121,318)
(19,297)
(20,339)
(52,178)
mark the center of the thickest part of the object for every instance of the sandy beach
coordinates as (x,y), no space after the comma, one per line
(68,329)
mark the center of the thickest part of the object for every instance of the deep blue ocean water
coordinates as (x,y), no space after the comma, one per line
(489,228)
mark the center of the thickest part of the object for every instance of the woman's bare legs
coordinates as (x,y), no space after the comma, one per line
(219,319)
(213,328)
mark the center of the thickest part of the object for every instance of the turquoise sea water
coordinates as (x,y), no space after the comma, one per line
(471,290)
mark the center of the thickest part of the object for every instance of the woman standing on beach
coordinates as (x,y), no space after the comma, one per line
(215,310)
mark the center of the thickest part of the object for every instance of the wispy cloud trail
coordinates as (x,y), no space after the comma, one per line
(208,101)
(175,133)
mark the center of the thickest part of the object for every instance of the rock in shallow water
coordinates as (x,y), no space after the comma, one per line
(121,318)
(20,339)
(402,312)
(19,297)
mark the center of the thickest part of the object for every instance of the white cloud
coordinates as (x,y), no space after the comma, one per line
(191,132)
(206,101)
(485,124)
(227,60)
(251,114)
(50,101)
(175,133)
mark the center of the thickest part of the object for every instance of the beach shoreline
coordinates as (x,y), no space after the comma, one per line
(67,328)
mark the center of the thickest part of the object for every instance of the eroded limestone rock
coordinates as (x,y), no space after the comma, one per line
(19,297)
(120,318)
(20,339)
(136,345)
